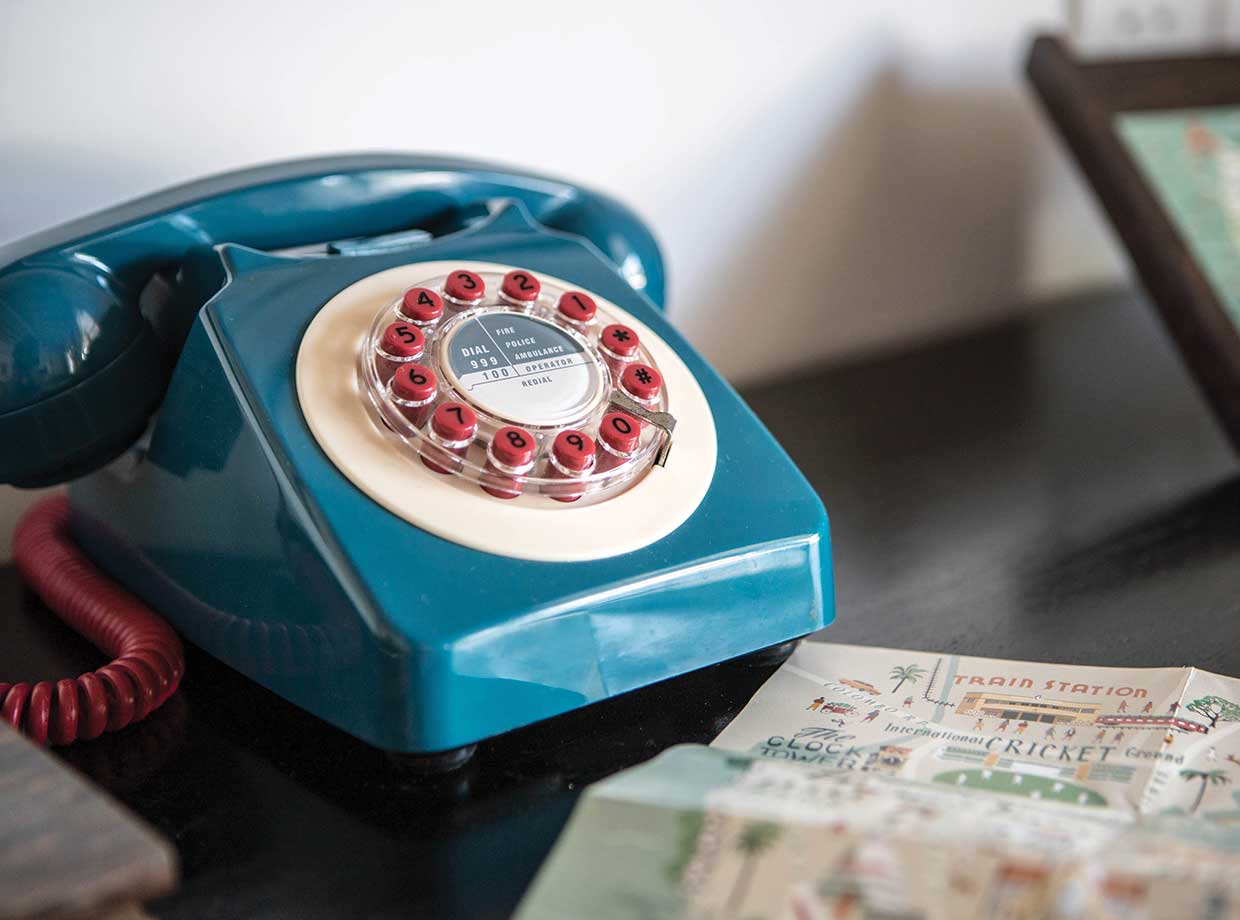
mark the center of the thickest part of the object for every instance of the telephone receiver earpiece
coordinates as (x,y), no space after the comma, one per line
(83,360)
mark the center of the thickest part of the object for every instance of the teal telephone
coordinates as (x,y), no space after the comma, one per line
(407,440)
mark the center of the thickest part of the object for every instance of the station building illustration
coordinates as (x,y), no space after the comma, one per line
(1049,711)
(1028,708)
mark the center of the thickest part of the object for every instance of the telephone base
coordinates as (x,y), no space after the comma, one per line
(326,554)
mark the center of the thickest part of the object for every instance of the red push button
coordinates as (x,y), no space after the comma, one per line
(414,387)
(520,287)
(454,421)
(453,424)
(414,383)
(403,340)
(620,431)
(642,382)
(573,450)
(572,458)
(513,446)
(465,286)
(620,340)
(510,455)
(577,306)
(421,305)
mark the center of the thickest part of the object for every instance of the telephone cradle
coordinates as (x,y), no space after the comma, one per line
(408,441)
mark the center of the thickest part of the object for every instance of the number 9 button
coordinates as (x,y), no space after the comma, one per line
(571,458)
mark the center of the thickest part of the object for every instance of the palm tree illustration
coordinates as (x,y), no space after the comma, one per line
(911,674)
(1206,778)
(754,840)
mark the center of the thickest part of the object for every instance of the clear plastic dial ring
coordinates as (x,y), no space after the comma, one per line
(529,366)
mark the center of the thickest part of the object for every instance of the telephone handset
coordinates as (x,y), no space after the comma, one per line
(407,440)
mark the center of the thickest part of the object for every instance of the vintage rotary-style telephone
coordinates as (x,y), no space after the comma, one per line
(407,440)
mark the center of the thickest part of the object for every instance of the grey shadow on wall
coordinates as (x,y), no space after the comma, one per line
(912,215)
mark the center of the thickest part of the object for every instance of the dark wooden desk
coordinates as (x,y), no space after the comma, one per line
(1050,489)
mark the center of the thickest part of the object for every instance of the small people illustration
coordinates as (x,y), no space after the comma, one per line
(1101,736)
(870,716)
(1231,758)
(1003,726)
(1119,736)
(1148,708)
(1168,738)
(978,725)
(1174,706)
(814,705)
(1123,706)
(1069,734)
(1200,139)
(1021,726)
(1050,732)
(908,702)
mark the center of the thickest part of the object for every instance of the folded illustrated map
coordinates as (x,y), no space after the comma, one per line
(1147,740)
(868,782)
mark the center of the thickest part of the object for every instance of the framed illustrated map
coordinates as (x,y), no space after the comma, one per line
(1191,158)
(1159,141)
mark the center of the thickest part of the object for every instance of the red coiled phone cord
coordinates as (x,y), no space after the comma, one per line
(148,661)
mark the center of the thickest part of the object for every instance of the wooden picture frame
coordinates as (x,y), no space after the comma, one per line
(1085,99)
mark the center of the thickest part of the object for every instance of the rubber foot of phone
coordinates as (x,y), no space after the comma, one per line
(771,655)
(433,764)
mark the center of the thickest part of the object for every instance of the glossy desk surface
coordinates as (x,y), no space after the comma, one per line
(1053,488)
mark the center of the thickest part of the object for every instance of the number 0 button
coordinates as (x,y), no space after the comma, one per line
(465,287)
(620,431)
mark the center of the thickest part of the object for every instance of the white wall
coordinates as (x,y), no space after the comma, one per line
(826,177)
